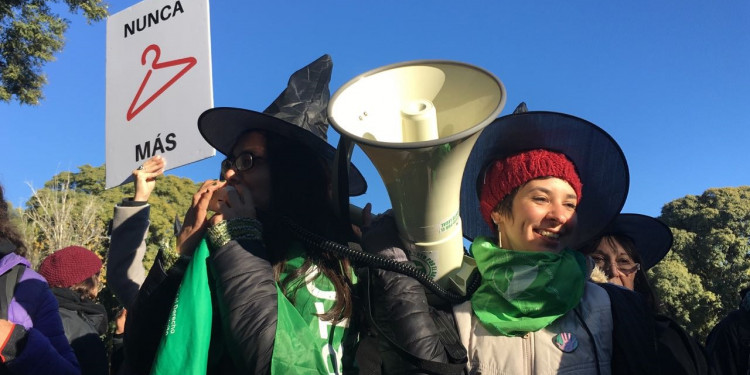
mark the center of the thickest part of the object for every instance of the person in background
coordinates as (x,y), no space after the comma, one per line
(73,275)
(32,339)
(117,358)
(631,245)
(728,344)
(125,271)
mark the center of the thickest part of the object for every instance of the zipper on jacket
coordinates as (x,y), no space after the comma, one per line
(528,353)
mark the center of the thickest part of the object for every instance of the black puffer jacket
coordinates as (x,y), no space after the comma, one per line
(248,323)
(399,318)
(246,296)
(245,325)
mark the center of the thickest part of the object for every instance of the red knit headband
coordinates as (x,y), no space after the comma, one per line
(502,176)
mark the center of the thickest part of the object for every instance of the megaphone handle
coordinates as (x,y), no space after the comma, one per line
(341,181)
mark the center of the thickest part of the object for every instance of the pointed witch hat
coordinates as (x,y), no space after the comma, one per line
(299,113)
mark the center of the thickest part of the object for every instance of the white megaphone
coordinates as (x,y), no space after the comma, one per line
(417,121)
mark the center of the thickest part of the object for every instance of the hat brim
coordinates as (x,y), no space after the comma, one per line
(651,237)
(599,161)
(222,126)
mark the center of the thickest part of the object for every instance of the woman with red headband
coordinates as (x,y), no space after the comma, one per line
(544,183)
(536,186)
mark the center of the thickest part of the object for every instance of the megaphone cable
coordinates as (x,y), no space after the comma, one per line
(372,260)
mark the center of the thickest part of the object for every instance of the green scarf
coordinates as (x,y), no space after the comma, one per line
(523,291)
(185,345)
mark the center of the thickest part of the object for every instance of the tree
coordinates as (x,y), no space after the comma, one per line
(698,282)
(171,197)
(63,217)
(30,35)
(74,209)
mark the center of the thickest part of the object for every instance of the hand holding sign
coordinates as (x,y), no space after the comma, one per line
(158,83)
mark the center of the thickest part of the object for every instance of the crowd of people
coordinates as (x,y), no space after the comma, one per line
(262,283)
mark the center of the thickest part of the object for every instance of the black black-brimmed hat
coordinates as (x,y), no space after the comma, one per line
(651,237)
(599,161)
(299,113)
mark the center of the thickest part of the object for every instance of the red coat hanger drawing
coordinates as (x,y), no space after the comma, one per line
(189,62)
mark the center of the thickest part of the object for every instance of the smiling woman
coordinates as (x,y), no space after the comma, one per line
(533,283)
(545,190)
(531,192)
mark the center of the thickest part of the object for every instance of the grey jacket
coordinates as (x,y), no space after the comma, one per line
(125,271)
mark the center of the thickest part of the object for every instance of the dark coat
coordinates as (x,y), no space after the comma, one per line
(247,301)
(84,322)
(728,344)
(148,315)
(248,324)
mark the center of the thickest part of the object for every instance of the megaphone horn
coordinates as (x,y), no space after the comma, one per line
(417,122)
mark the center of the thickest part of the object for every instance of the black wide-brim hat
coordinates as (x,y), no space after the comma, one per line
(598,159)
(221,127)
(651,237)
(299,113)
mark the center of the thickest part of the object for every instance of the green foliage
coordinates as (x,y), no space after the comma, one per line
(30,35)
(683,296)
(171,198)
(59,216)
(73,207)
(699,280)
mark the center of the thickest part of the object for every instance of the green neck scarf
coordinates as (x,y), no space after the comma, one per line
(523,291)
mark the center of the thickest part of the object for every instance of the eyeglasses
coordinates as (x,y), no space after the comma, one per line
(242,162)
(625,266)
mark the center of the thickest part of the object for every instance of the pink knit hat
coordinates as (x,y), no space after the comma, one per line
(69,266)
(502,176)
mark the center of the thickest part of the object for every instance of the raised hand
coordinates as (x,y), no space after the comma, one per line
(194,225)
(144,177)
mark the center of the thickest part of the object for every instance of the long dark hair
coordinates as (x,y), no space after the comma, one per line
(7,229)
(300,182)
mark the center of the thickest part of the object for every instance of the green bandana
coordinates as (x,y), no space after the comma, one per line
(524,291)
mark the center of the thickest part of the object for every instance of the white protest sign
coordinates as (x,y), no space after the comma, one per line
(158,83)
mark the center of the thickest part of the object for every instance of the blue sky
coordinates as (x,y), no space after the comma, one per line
(669,80)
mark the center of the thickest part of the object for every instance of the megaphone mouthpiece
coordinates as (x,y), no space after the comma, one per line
(419,121)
